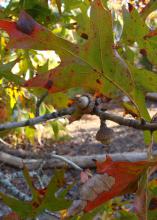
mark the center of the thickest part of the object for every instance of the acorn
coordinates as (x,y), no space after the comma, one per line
(86,103)
(104,134)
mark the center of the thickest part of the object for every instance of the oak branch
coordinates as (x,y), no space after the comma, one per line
(137,124)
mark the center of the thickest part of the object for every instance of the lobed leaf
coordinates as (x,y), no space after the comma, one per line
(96,67)
(42,198)
(26,33)
(112,179)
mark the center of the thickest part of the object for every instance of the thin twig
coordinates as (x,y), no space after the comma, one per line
(74,165)
(37,120)
(40,170)
(137,124)
(57,216)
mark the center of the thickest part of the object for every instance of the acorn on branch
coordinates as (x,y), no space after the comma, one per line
(85,103)
(104,134)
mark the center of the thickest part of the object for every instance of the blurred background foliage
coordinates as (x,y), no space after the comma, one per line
(17,103)
(66,18)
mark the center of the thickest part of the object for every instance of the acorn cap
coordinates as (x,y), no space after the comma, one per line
(86,103)
(104,134)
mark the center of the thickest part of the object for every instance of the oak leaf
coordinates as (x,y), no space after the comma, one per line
(113,178)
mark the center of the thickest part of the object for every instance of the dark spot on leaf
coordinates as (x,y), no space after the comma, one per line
(48,84)
(42,191)
(25,24)
(98,3)
(84,36)
(6,49)
(153,204)
(143,52)
(26,84)
(48,18)
(130,7)
(35,204)
(98,81)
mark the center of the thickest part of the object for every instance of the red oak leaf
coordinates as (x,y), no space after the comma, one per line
(125,174)
(112,179)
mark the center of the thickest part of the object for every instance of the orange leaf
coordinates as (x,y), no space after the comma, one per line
(151,34)
(70,71)
(45,81)
(113,178)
